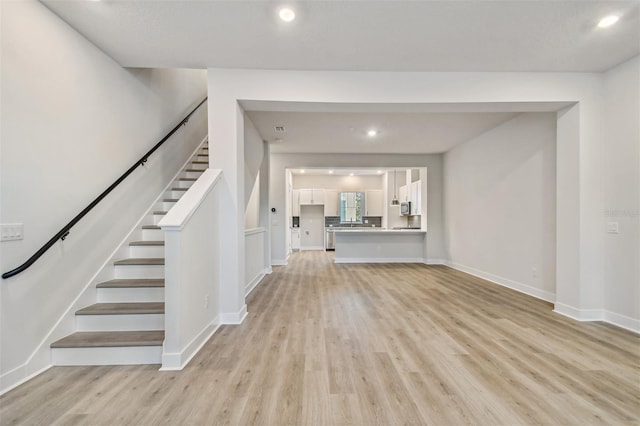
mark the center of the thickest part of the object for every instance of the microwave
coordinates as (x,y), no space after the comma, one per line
(405,208)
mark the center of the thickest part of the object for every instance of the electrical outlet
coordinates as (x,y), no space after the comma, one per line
(12,231)
(534,272)
(206,301)
(612,228)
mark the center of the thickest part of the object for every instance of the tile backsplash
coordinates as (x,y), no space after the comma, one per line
(335,221)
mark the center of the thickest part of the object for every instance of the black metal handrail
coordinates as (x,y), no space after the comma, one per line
(64,232)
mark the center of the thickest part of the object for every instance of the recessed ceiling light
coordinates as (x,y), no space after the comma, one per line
(330,172)
(608,21)
(371,133)
(379,172)
(350,174)
(286,14)
(301,171)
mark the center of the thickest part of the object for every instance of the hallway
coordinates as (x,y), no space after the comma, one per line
(365,344)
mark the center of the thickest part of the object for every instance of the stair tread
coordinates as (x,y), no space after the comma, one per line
(123,308)
(95,339)
(159,212)
(195,170)
(169,200)
(140,261)
(188,179)
(179,189)
(134,282)
(150,227)
(146,243)
(199,162)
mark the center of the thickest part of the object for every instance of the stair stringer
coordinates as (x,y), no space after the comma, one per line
(41,359)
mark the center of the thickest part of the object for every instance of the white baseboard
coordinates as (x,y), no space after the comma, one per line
(268,270)
(379,260)
(19,375)
(253,284)
(436,262)
(234,317)
(622,321)
(585,315)
(505,282)
(278,262)
(179,360)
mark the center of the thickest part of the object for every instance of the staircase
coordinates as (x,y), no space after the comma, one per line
(126,325)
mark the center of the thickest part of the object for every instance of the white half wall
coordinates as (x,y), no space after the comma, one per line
(73,121)
(255,270)
(192,264)
(500,192)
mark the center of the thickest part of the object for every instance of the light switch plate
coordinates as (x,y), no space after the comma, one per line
(612,228)
(12,231)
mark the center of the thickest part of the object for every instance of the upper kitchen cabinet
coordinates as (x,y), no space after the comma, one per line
(311,196)
(374,202)
(295,202)
(403,194)
(331,203)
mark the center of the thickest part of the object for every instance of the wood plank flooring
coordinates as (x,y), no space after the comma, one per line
(392,344)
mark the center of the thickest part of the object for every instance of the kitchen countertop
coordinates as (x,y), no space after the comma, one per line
(376,230)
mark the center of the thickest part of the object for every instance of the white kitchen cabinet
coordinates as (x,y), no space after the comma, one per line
(311,196)
(374,202)
(416,198)
(331,203)
(295,202)
(295,239)
(403,194)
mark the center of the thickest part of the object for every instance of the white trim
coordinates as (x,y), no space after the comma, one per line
(279,262)
(505,282)
(579,314)
(234,317)
(268,270)
(253,231)
(177,361)
(436,262)
(22,378)
(186,206)
(379,260)
(622,321)
(311,248)
(248,288)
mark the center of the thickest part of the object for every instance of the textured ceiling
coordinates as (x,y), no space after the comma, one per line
(359,35)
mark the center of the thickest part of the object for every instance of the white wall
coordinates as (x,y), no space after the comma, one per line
(254,257)
(500,191)
(252,211)
(73,121)
(281,162)
(339,183)
(621,159)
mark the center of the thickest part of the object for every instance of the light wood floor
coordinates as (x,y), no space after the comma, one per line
(365,344)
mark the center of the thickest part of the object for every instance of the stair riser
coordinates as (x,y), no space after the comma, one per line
(140,322)
(192,174)
(146,251)
(183,184)
(153,234)
(130,355)
(202,157)
(130,295)
(163,206)
(157,218)
(174,194)
(139,271)
(198,166)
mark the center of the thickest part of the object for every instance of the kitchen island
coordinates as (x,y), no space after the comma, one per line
(378,245)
